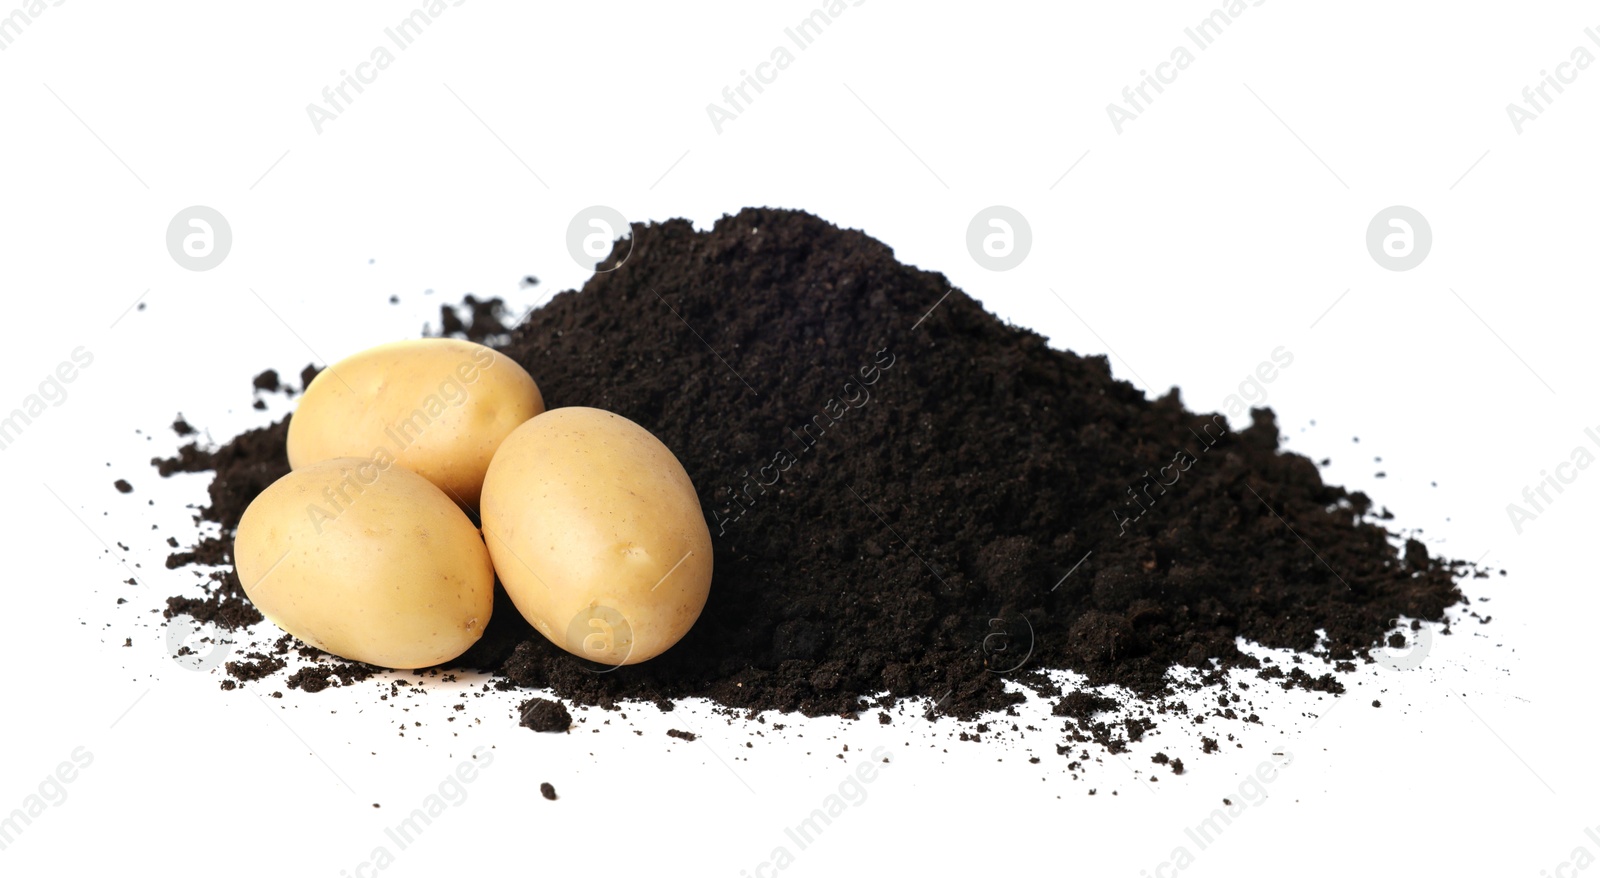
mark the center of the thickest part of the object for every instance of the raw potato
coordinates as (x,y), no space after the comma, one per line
(436,406)
(597,534)
(373,565)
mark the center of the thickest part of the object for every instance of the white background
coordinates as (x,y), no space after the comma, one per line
(1222,223)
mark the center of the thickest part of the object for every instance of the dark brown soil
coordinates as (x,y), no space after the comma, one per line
(320,676)
(479,320)
(910,498)
(544,715)
(256,667)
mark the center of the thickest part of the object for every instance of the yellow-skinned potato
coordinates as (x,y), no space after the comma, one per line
(436,406)
(375,565)
(597,534)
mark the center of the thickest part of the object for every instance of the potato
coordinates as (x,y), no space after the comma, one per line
(371,564)
(597,534)
(436,406)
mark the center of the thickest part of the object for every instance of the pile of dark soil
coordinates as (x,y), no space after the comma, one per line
(910,498)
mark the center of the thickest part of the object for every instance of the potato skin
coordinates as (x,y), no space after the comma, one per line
(378,566)
(436,406)
(597,535)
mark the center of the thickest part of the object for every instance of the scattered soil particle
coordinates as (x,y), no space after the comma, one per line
(544,715)
(223,605)
(317,677)
(479,320)
(262,666)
